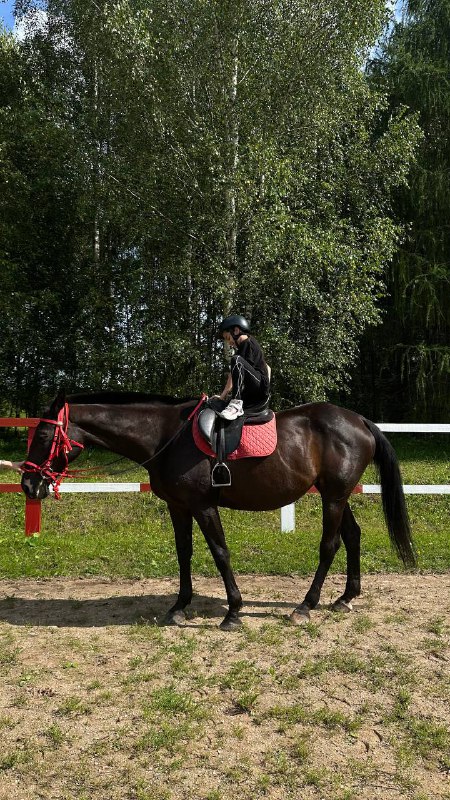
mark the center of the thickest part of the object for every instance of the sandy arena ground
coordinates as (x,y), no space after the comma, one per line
(98,702)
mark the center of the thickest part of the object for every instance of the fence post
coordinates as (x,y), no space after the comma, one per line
(32,507)
(32,517)
(288,518)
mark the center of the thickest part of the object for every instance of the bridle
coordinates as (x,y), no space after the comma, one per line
(61,445)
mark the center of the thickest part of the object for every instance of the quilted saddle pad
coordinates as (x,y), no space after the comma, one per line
(256,440)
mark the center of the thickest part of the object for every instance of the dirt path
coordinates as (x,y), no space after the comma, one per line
(97,702)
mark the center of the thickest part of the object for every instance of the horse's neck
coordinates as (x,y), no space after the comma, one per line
(136,432)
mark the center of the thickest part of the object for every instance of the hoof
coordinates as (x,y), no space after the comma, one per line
(343,606)
(177,617)
(230,623)
(300,616)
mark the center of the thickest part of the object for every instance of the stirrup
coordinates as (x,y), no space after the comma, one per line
(220,475)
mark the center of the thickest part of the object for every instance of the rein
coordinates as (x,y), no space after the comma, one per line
(62,444)
(155,455)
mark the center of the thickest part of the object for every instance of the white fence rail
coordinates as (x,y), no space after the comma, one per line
(413,427)
(288,512)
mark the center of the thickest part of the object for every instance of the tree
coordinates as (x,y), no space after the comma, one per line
(222,155)
(412,347)
(37,234)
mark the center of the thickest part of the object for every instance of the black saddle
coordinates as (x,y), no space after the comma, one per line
(223,436)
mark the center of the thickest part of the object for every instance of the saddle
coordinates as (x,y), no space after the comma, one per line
(224,436)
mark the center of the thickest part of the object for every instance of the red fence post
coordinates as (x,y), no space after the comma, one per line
(32,517)
(32,507)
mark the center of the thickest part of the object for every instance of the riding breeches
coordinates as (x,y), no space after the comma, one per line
(249,385)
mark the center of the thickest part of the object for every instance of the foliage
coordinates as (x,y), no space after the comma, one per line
(166,162)
(411,349)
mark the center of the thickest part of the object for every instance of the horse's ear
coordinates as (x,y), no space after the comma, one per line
(59,400)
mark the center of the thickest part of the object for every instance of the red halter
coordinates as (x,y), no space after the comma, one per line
(61,445)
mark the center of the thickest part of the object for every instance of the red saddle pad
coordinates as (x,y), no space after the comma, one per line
(256,440)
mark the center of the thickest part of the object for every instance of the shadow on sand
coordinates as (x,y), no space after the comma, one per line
(124,610)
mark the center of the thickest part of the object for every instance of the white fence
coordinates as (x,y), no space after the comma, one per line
(288,512)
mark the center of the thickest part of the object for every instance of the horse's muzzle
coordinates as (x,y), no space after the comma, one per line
(35,486)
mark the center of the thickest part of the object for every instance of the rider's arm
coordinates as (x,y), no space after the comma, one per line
(228,387)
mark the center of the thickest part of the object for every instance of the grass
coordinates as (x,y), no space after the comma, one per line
(131,535)
(299,714)
(169,702)
(7,659)
(55,735)
(73,707)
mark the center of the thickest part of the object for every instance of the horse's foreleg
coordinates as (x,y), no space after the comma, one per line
(182,525)
(211,527)
(351,536)
(329,545)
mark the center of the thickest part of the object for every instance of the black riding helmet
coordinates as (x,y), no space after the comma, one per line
(234,321)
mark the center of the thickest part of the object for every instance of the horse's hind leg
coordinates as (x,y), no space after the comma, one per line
(182,525)
(332,512)
(351,536)
(211,527)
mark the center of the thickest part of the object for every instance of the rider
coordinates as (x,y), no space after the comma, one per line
(249,377)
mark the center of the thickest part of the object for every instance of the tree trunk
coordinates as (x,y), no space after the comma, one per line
(233,150)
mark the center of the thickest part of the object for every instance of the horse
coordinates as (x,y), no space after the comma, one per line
(319,445)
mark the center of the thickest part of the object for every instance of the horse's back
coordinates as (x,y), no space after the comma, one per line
(327,420)
(317,443)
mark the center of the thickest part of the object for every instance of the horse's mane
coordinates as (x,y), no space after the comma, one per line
(126,398)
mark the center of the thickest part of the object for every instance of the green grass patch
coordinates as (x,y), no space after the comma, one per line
(426,738)
(73,707)
(436,625)
(55,735)
(131,535)
(14,758)
(167,734)
(362,624)
(8,658)
(168,701)
(328,718)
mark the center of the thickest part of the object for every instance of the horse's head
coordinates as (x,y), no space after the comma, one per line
(48,456)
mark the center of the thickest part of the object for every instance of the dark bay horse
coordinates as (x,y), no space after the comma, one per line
(319,445)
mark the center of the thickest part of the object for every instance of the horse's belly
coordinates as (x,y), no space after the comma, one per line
(264,484)
(266,504)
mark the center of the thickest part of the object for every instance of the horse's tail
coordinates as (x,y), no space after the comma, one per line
(394,505)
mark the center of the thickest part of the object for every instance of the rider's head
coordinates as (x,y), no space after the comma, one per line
(233,327)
